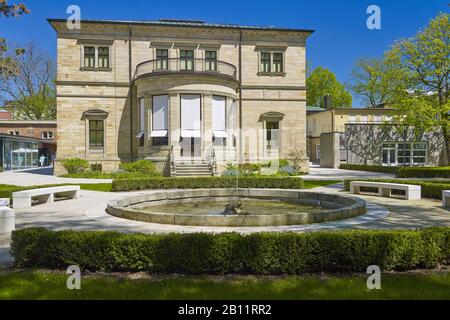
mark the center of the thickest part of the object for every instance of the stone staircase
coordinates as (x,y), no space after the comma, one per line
(192,169)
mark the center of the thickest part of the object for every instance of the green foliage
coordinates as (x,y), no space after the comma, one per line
(75,165)
(429,189)
(424,172)
(323,82)
(256,253)
(207,182)
(144,167)
(371,168)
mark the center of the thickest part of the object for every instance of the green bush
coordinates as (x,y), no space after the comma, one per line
(424,172)
(371,168)
(75,165)
(256,253)
(429,189)
(207,182)
(144,167)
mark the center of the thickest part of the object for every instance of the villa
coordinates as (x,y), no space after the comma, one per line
(180,93)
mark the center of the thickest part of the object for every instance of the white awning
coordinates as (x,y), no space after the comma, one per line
(140,134)
(220,134)
(190,133)
(159,134)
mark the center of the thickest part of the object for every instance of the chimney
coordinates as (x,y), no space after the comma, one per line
(327,102)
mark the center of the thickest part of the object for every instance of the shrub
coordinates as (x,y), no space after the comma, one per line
(207,182)
(75,165)
(424,172)
(96,167)
(429,189)
(371,168)
(256,253)
(144,167)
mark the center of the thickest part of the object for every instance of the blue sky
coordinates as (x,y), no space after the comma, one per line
(341,35)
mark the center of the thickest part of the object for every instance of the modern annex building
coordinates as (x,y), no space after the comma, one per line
(179,91)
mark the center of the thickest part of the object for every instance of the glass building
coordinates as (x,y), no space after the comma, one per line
(18,153)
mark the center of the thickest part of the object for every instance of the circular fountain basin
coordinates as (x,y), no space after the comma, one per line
(265,207)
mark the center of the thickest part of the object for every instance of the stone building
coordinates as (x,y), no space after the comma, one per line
(179,92)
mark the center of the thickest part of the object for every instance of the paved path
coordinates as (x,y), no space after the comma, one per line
(35,178)
(317,173)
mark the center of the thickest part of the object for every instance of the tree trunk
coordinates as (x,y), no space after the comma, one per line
(446,144)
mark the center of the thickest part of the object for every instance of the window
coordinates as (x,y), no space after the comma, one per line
(211,60)
(14,133)
(141,133)
(277,62)
(406,154)
(160,112)
(377,119)
(162,59)
(318,151)
(265,62)
(89,57)
(47,135)
(96,134)
(103,57)
(351,119)
(219,120)
(363,119)
(187,60)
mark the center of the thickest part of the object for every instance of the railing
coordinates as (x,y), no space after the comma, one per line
(210,158)
(172,160)
(206,66)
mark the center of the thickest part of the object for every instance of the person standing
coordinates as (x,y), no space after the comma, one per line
(42,160)
(53,159)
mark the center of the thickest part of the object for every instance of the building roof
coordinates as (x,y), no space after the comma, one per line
(187,23)
(29,122)
(25,138)
(314,109)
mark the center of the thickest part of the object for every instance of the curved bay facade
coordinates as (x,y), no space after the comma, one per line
(176,92)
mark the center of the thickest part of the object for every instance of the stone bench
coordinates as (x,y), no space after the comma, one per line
(23,199)
(412,192)
(446,198)
(7,217)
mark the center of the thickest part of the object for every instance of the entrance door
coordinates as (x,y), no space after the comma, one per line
(191,147)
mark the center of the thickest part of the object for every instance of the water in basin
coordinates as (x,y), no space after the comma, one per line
(252,207)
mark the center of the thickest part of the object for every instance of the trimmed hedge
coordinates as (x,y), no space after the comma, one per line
(429,189)
(207,182)
(371,168)
(257,253)
(424,172)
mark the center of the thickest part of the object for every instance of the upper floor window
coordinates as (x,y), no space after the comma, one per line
(211,60)
(47,135)
(96,57)
(103,57)
(265,62)
(89,57)
(14,133)
(187,60)
(271,62)
(162,59)
(277,62)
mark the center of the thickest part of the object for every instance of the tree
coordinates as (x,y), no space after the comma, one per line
(421,66)
(373,80)
(323,82)
(30,92)
(13,10)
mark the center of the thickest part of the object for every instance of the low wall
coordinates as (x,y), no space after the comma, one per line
(347,207)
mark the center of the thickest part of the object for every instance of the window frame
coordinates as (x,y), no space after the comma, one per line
(271,65)
(159,62)
(96,130)
(96,57)
(209,61)
(102,56)
(186,60)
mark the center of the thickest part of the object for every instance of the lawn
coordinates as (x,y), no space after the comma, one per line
(6,190)
(309,184)
(51,285)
